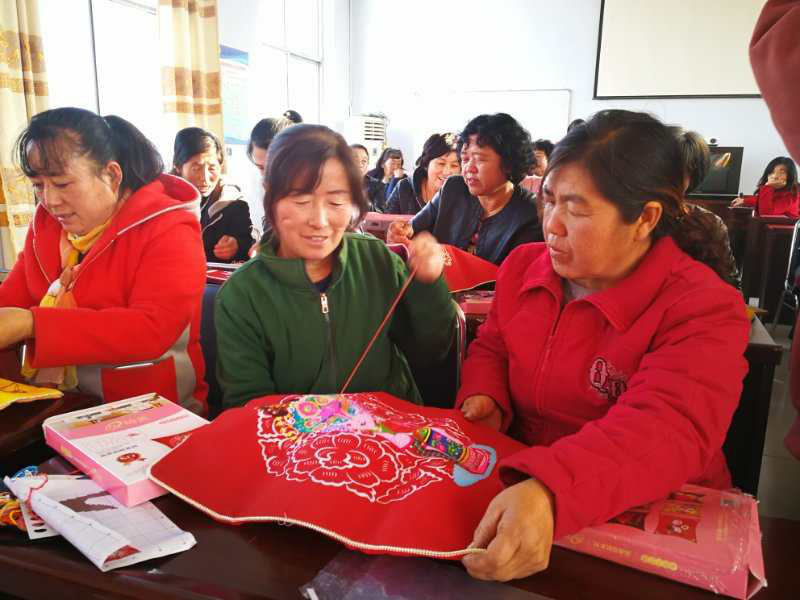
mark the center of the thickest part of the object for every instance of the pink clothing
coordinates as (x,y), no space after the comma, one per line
(623,395)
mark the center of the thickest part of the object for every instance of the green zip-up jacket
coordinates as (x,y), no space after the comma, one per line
(277,334)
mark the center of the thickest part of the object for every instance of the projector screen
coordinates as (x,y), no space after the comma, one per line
(680,48)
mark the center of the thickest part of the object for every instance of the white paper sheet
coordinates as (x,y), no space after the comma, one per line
(109,534)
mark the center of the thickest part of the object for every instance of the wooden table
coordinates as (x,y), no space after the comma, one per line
(272,561)
(21,424)
(765,261)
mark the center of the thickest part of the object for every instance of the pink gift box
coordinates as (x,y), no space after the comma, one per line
(115,443)
(706,538)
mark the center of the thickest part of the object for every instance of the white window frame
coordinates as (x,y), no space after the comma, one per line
(288,53)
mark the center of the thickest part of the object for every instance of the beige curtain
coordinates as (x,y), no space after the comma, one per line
(23,93)
(190,78)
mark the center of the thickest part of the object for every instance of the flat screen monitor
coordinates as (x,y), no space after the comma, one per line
(723,176)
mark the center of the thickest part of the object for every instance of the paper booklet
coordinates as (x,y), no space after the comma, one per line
(109,534)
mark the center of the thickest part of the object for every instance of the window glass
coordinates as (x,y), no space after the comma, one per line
(304,88)
(67,40)
(302,27)
(128,61)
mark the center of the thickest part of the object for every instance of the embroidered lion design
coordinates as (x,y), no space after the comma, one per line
(363,445)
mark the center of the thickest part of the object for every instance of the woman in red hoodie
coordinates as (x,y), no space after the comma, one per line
(106,293)
(614,349)
(776,192)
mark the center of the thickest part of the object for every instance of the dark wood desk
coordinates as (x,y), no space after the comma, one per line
(272,561)
(766,260)
(21,424)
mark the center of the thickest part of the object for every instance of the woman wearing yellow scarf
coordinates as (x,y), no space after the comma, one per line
(105,296)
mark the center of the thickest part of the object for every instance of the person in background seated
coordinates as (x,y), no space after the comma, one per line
(297,318)
(293,116)
(697,162)
(257,148)
(610,350)
(438,161)
(541,152)
(372,187)
(776,192)
(261,137)
(389,171)
(224,215)
(484,211)
(106,293)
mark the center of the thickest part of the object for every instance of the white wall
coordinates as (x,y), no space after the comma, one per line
(403,51)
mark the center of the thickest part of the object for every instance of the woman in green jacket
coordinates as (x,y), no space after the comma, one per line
(296,318)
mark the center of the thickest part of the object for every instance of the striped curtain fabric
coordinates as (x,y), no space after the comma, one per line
(190,71)
(23,93)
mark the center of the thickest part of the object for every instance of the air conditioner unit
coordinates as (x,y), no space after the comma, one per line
(369,130)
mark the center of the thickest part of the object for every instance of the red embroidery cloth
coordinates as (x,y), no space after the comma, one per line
(375,472)
(464,271)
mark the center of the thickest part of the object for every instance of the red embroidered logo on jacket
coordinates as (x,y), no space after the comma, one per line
(606,379)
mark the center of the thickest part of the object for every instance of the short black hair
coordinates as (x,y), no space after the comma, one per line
(293,116)
(575,123)
(359,147)
(62,133)
(191,141)
(264,132)
(507,137)
(545,146)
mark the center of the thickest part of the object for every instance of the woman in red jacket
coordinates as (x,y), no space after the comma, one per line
(106,293)
(776,192)
(614,349)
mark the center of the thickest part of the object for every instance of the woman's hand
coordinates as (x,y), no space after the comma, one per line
(226,247)
(482,410)
(517,532)
(737,202)
(776,181)
(399,232)
(16,325)
(426,257)
(399,173)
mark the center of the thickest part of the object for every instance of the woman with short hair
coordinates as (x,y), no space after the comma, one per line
(106,293)
(389,172)
(224,214)
(484,210)
(296,318)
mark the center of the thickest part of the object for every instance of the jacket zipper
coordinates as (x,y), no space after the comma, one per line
(548,347)
(323,300)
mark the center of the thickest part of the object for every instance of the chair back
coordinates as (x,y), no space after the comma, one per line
(794,259)
(438,383)
(208,343)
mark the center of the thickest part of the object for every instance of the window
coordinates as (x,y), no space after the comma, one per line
(289,58)
(103,55)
